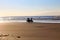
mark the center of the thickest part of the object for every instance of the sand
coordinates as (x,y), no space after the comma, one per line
(30,31)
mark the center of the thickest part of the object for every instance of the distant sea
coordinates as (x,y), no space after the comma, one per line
(35,19)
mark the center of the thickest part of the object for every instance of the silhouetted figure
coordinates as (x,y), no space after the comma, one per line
(29,20)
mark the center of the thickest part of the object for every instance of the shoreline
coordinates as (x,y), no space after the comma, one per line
(34,21)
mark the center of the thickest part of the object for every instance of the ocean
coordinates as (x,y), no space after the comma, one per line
(37,19)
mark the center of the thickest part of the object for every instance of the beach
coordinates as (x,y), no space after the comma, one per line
(30,31)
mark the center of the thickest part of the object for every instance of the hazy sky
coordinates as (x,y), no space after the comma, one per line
(29,7)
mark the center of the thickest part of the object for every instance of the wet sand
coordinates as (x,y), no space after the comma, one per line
(30,31)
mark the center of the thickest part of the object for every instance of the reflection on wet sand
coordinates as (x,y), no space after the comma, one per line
(30,31)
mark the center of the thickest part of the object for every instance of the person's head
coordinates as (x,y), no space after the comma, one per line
(31,18)
(27,18)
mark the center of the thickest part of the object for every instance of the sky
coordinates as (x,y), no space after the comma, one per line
(29,7)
